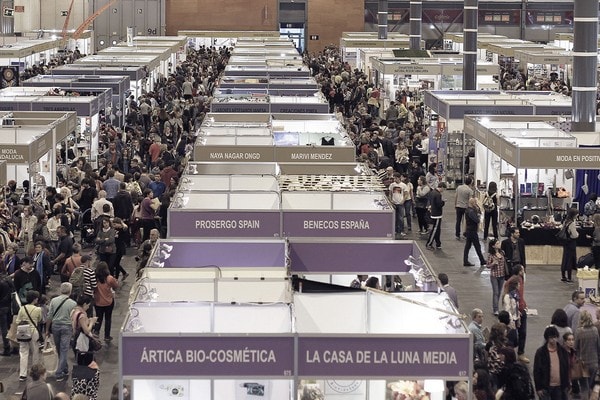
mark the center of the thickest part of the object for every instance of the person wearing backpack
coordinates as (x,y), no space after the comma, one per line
(569,257)
(490,208)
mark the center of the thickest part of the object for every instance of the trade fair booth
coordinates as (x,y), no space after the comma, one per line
(26,53)
(455,41)
(541,64)
(532,157)
(150,64)
(120,86)
(504,52)
(268,71)
(277,351)
(242,82)
(88,109)
(196,39)
(167,56)
(28,144)
(394,74)
(136,75)
(453,151)
(84,41)
(295,101)
(352,43)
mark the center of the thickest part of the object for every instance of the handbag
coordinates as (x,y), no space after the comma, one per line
(24,332)
(563,235)
(578,370)
(12,331)
(49,356)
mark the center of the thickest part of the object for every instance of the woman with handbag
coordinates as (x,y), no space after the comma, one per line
(28,319)
(576,368)
(510,301)
(587,344)
(104,299)
(82,325)
(105,240)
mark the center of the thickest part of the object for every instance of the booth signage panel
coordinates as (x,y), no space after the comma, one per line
(494,143)
(14,153)
(223,224)
(338,224)
(351,257)
(3,172)
(458,111)
(477,131)
(235,254)
(510,154)
(235,107)
(41,146)
(553,110)
(414,69)
(300,108)
(579,158)
(207,356)
(378,357)
(234,153)
(82,109)
(325,154)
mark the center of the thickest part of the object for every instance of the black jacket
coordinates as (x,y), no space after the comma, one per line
(541,368)
(507,248)
(436,202)
(472,218)
(123,205)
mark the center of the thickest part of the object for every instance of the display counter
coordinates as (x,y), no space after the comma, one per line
(542,247)
(260,71)
(252,82)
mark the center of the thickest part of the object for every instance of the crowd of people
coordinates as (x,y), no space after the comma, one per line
(72,238)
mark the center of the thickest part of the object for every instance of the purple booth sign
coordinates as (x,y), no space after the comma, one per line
(357,257)
(379,357)
(338,224)
(209,356)
(223,224)
(224,254)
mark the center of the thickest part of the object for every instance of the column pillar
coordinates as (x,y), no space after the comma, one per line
(470,45)
(585,62)
(382,19)
(416,17)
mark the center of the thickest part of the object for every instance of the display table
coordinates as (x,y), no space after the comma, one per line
(541,246)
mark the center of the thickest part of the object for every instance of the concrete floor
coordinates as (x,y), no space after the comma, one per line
(543,292)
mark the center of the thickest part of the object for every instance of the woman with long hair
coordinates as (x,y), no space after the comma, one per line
(510,300)
(497,340)
(569,257)
(561,321)
(104,299)
(577,382)
(491,216)
(587,345)
(496,262)
(121,243)
(421,203)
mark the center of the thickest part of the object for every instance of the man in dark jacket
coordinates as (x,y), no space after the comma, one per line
(122,203)
(436,204)
(6,288)
(551,368)
(514,249)
(472,216)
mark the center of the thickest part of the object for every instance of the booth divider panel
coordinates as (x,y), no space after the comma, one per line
(338,224)
(223,224)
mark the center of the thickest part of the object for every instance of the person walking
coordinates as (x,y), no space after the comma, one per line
(58,324)
(31,315)
(587,345)
(464,192)
(472,217)
(105,240)
(421,204)
(37,388)
(569,257)
(551,368)
(436,204)
(104,299)
(497,265)
(398,194)
(514,249)
(491,212)
(6,289)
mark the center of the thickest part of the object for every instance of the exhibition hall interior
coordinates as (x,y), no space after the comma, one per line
(298,199)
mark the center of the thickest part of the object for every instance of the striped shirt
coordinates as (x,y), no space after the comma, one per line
(90,281)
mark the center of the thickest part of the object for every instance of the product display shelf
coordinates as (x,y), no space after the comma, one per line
(458,148)
(329,183)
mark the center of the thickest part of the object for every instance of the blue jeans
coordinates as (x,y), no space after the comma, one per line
(62,338)
(497,284)
(408,206)
(399,217)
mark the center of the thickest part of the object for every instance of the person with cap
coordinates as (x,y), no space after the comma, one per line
(551,368)
(58,324)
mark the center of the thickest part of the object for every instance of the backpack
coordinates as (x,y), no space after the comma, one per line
(562,236)
(488,203)
(77,279)
(518,384)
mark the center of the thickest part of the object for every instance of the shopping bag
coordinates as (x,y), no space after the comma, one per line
(49,356)
(12,331)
